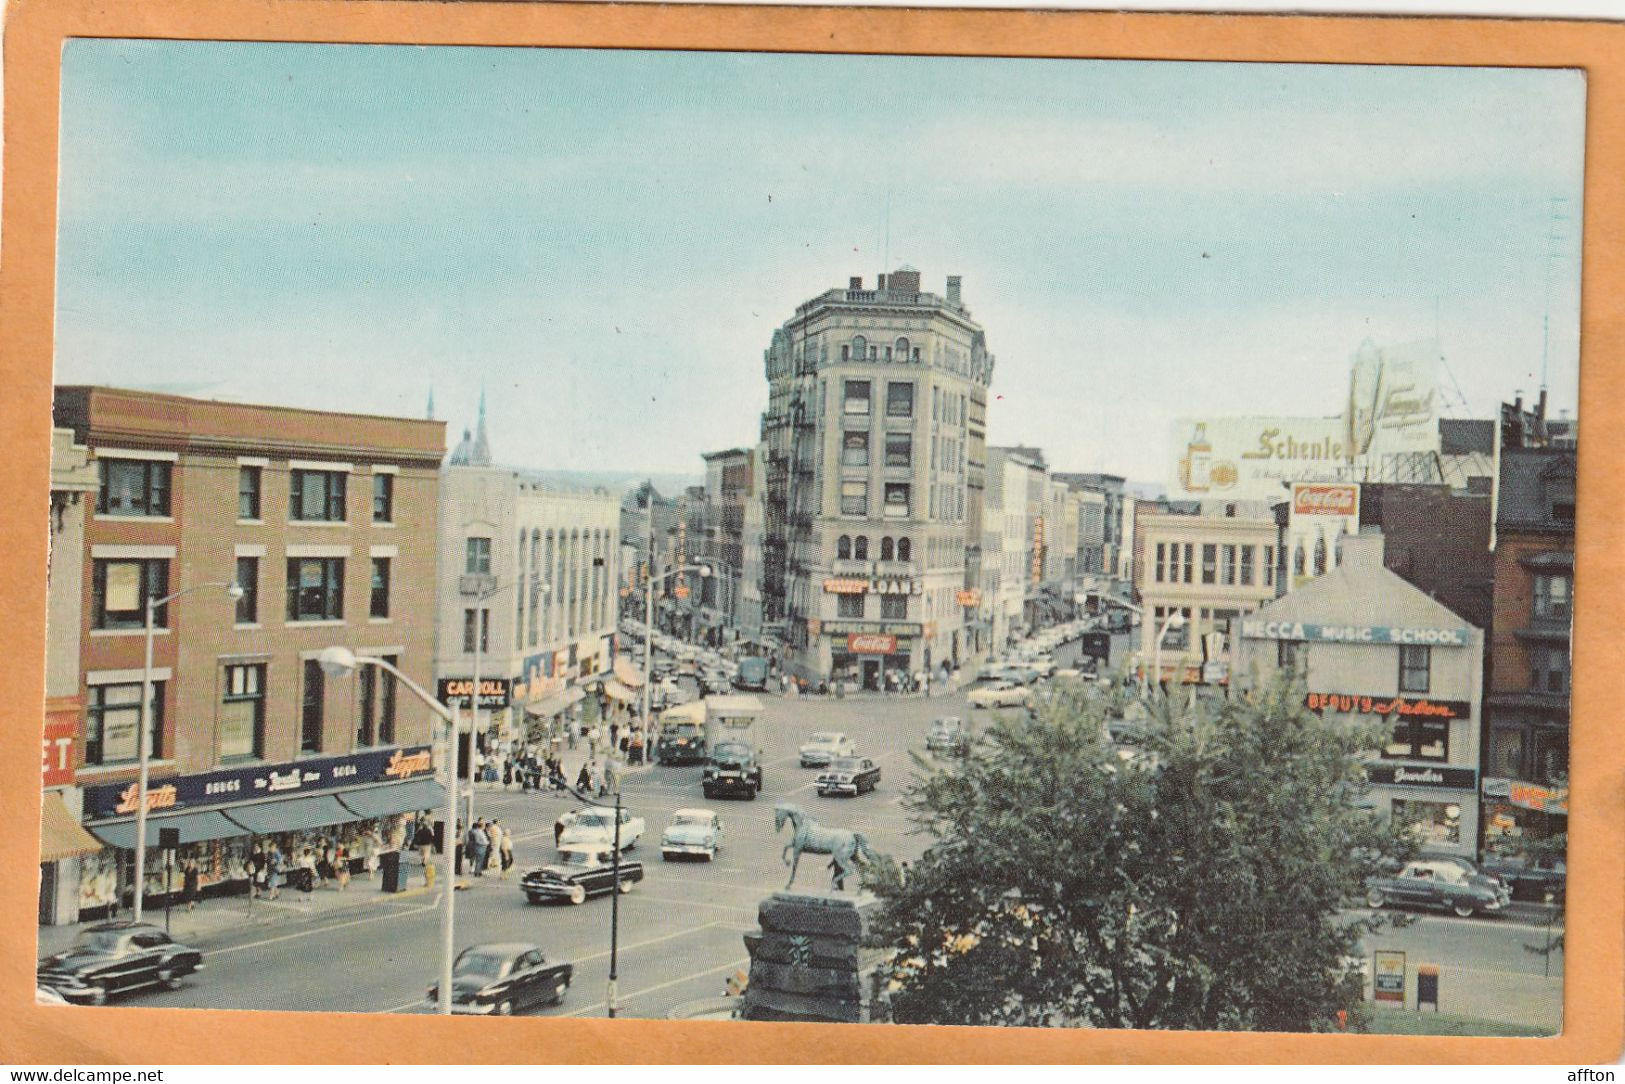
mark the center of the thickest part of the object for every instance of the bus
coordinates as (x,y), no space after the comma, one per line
(752,673)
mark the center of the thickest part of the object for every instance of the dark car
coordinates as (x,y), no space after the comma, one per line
(1438,883)
(948,735)
(680,743)
(115,958)
(1530,877)
(849,775)
(504,979)
(577,874)
(732,770)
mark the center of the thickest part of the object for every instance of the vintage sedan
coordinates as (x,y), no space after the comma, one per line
(948,735)
(692,833)
(849,775)
(596,828)
(580,872)
(115,958)
(503,979)
(825,746)
(1000,694)
(1432,883)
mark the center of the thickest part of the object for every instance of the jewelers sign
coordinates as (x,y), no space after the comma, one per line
(1352,634)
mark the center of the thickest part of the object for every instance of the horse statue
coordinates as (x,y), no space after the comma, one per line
(847,849)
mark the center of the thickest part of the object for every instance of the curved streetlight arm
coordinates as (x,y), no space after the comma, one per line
(422,694)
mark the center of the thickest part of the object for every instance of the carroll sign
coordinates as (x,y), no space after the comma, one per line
(1352,634)
(1388,706)
(493,691)
(260,781)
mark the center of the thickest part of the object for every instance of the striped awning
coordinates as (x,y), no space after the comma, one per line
(60,835)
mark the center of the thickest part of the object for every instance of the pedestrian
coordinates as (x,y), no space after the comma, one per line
(584,777)
(493,833)
(614,731)
(507,773)
(256,871)
(374,844)
(626,744)
(611,781)
(505,855)
(274,865)
(478,845)
(191,878)
(307,874)
(558,831)
(341,864)
(634,747)
(423,840)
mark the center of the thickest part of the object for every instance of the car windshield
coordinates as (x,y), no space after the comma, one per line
(100,940)
(732,754)
(579,858)
(824,739)
(593,820)
(701,819)
(845,764)
(485,965)
(682,730)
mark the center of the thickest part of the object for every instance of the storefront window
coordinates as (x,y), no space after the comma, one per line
(242,713)
(1433,822)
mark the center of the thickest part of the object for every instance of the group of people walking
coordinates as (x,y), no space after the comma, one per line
(329,862)
(488,846)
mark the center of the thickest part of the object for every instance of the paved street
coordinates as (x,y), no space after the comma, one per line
(681,928)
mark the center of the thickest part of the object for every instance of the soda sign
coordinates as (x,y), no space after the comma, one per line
(863,643)
(1317,499)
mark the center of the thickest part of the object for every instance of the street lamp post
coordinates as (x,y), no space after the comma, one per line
(481,596)
(340,661)
(610,1002)
(234,591)
(1175,620)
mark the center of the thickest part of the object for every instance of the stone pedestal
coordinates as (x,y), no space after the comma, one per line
(808,963)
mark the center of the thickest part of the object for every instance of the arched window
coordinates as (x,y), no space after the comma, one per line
(860,549)
(903,549)
(885,548)
(537,587)
(900,352)
(860,347)
(843,547)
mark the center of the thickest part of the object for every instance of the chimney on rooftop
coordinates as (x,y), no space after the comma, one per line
(855,282)
(953,289)
(880,282)
(905,280)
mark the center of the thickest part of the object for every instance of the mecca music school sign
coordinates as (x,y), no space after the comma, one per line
(1354,634)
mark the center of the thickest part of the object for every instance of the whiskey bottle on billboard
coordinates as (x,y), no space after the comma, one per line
(1199,460)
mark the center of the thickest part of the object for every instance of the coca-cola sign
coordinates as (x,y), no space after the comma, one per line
(861,643)
(1319,499)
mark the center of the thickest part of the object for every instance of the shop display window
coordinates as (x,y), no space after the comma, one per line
(1433,822)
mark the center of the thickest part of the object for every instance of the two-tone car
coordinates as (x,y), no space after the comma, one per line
(579,872)
(948,736)
(692,833)
(504,979)
(824,746)
(590,828)
(1434,883)
(115,958)
(848,775)
(1000,694)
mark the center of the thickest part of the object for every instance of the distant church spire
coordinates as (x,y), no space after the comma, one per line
(482,446)
(429,412)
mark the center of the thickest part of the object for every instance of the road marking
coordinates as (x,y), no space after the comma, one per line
(804,786)
(736,965)
(327,929)
(651,941)
(693,903)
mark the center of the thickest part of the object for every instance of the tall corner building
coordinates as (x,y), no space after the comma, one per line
(874,445)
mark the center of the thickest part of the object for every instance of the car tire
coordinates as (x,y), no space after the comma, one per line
(559,992)
(750,793)
(505,1008)
(578,895)
(1376,899)
(1463,910)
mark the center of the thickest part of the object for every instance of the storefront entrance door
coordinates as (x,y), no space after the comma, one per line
(871,675)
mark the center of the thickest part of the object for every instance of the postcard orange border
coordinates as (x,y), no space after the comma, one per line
(34,33)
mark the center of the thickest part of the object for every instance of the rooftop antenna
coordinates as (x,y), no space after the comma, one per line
(885,263)
(1555,236)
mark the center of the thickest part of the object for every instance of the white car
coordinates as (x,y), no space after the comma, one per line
(692,833)
(590,828)
(1001,694)
(1044,664)
(824,747)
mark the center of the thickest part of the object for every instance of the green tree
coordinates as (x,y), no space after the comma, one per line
(1123,861)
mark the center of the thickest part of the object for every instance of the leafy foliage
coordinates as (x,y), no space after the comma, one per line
(1123,861)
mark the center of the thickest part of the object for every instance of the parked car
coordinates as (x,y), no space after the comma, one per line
(1000,694)
(824,747)
(849,775)
(115,958)
(596,827)
(1530,877)
(948,735)
(504,979)
(1435,883)
(580,872)
(732,768)
(692,833)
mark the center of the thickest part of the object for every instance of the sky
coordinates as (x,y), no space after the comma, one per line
(605,240)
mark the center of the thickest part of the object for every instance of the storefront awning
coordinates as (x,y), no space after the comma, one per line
(197,827)
(628,674)
(371,802)
(60,836)
(616,691)
(560,701)
(291,814)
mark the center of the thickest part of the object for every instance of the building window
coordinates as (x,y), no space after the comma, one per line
(113,719)
(894,607)
(843,547)
(1210,564)
(468,631)
(1415,667)
(904,549)
(375,723)
(1549,669)
(899,400)
(316,495)
(242,713)
(886,551)
(1419,739)
(900,348)
(315,588)
(899,450)
(386,701)
(849,605)
(1432,822)
(1162,562)
(1269,566)
(478,557)
(120,591)
(860,347)
(248,578)
(1552,598)
(855,449)
(310,713)
(1290,655)
(1246,566)
(854,498)
(1227,566)
(248,493)
(857,397)
(133,487)
(383,498)
(860,547)
(1190,563)
(380,587)
(897,500)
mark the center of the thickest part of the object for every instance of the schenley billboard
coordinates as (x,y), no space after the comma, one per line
(1352,634)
